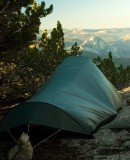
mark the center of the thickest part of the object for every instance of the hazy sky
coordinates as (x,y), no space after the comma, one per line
(88,14)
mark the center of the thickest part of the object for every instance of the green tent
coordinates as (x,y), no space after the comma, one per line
(77,97)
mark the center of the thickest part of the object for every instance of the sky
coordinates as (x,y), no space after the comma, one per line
(88,14)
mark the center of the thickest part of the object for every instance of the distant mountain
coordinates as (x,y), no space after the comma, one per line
(117,61)
(121,47)
(71,42)
(97,45)
(108,35)
(101,41)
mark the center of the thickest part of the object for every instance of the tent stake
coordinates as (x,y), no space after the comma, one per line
(46,139)
(12,136)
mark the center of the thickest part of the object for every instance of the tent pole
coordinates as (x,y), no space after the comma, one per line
(46,139)
(28,129)
(12,136)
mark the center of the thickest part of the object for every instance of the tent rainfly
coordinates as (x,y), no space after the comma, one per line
(77,97)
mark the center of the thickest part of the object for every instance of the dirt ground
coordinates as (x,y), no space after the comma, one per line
(110,142)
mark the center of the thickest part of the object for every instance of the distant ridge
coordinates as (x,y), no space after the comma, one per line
(118,61)
(101,41)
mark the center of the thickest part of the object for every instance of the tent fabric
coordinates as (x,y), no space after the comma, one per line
(77,97)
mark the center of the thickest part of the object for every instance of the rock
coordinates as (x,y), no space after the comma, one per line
(126,144)
(128,101)
(13,152)
(23,150)
(122,120)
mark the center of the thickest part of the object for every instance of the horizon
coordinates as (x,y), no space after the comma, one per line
(91,28)
(87,14)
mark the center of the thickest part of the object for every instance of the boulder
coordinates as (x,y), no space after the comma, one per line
(23,150)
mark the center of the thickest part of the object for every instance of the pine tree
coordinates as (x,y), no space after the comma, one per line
(108,68)
(55,49)
(75,49)
(52,49)
(19,28)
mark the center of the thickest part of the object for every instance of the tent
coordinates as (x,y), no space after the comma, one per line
(77,97)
